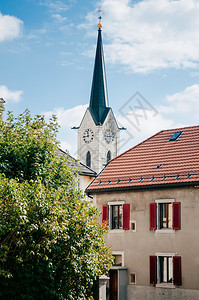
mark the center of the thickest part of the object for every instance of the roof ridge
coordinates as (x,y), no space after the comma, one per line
(180,128)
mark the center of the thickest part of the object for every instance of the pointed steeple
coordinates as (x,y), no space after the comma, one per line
(99,99)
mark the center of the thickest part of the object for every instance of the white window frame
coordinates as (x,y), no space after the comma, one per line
(130,282)
(164,230)
(110,204)
(131,222)
(164,284)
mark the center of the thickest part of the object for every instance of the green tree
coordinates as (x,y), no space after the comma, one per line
(51,243)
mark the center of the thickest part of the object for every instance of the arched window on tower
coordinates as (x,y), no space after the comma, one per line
(88,159)
(108,156)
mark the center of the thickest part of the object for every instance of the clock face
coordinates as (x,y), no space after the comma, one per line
(109,136)
(88,136)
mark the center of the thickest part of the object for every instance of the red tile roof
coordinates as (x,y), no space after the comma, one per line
(154,162)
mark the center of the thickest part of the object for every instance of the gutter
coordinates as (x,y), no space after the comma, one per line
(144,187)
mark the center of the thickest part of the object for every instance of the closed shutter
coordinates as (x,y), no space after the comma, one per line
(176,215)
(177,270)
(126,213)
(152,212)
(105,213)
(153,269)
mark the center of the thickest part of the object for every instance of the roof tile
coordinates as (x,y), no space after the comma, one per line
(177,158)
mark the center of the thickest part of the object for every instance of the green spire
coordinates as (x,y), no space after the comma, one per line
(99,100)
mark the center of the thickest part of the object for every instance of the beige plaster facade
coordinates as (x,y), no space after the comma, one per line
(139,244)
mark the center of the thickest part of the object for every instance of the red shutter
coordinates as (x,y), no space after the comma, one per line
(176,215)
(152,211)
(126,212)
(105,213)
(153,269)
(177,270)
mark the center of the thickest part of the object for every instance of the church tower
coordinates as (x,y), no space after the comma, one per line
(98,133)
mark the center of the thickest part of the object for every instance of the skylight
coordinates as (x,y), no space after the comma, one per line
(152,178)
(158,166)
(175,136)
(188,176)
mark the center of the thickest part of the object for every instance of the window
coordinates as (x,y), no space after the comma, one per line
(165,270)
(108,156)
(132,278)
(165,215)
(133,226)
(118,258)
(175,136)
(88,159)
(117,215)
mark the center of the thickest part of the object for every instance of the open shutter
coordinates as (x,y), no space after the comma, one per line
(153,269)
(177,270)
(126,213)
(105,213)
(176,215)
(152,212)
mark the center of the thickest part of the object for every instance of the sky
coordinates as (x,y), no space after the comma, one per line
(151,49)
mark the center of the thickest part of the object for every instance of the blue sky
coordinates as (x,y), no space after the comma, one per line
(47,50)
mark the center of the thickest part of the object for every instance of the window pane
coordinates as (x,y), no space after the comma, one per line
(165,215)
(165,269)
(116,216)
(120,216)
(117,260)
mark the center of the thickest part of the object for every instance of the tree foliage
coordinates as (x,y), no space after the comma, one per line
(51,244)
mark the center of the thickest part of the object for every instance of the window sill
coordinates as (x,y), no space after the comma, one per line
(165,285)
(165,231)
(115,231)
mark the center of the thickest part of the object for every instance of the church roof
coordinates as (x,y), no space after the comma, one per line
(169,158)
(82,169)
(99,99)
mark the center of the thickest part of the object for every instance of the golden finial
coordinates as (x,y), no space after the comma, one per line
(99,25)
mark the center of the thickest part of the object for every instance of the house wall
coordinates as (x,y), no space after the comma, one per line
(84,181)
(139,245)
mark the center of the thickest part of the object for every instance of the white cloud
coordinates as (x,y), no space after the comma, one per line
(10,96)
(67,119)
(55,5)
(10,27)
(148,125)
(183,105)
(59,18)
(150,34)
(178,110)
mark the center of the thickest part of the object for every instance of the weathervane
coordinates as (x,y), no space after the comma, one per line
(100,18)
